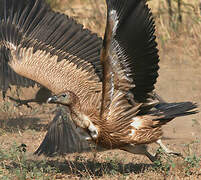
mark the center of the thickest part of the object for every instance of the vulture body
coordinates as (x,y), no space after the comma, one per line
(115,108)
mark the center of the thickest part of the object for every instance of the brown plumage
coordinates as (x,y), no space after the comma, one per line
(118,112)
(124,122)
(48,28)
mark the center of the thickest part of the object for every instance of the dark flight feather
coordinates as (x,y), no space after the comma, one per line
(35,20)
(135,36)
(35,25)
(62,138)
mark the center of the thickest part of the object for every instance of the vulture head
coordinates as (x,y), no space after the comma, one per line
(65,98)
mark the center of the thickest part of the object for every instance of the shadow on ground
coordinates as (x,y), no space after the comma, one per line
(22,123)
(87,168)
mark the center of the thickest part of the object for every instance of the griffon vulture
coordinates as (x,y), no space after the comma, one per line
(117,111)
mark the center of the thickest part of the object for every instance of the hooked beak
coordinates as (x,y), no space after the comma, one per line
(52,99)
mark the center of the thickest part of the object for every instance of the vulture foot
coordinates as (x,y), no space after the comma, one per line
(139,149)
(166,150)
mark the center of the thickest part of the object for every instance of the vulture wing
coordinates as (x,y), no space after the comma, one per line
(130,58)
(8,76)
(36,21)
(134,33)
(63,137)
(31,24)
(40,61)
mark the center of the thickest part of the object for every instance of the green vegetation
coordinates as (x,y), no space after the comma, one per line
(188,165)
(14,164)
(17,163)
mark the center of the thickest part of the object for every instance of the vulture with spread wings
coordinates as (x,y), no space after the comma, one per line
(115,108)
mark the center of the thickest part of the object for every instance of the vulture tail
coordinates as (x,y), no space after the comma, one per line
(168,111)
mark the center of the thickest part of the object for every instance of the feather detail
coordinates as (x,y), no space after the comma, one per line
(135,35)
(36,21)
(43,68)
(63,137)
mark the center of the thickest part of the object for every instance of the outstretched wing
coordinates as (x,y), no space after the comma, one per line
(63,137)
(8,76)
(36,21)
(39,60)
(134,34)
(129,56)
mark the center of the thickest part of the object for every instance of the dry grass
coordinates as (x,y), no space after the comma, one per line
(179,80)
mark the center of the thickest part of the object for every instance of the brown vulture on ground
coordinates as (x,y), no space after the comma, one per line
(115,108)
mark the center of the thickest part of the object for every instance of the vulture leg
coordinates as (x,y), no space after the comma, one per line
(93,130)
(139,149)
(166,150)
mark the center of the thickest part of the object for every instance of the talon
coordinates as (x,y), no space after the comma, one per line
(176,154)
(165,150)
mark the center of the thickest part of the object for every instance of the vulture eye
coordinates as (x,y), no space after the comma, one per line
(63,95)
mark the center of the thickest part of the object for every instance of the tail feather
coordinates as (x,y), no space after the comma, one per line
(169,111)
